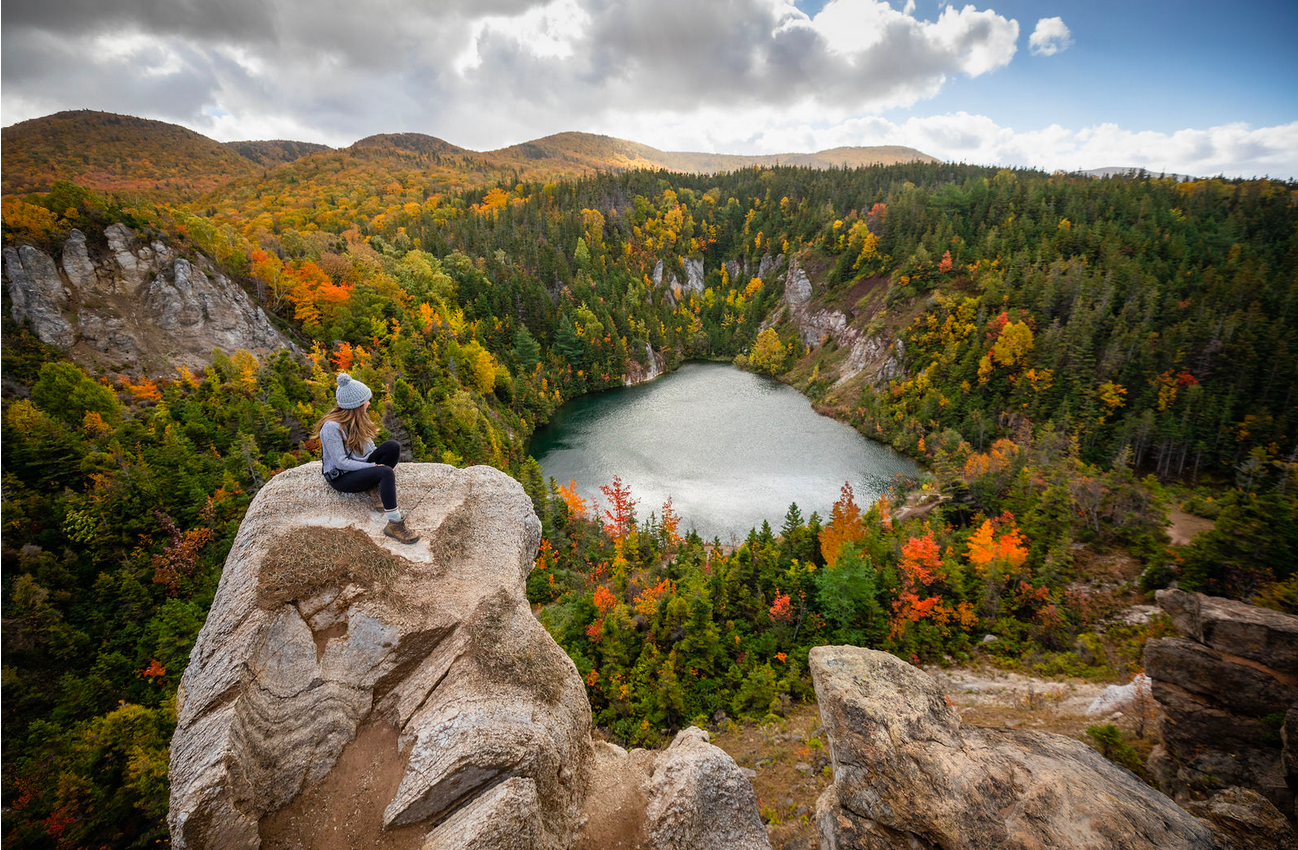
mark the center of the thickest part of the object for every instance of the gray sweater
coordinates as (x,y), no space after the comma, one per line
(334,454)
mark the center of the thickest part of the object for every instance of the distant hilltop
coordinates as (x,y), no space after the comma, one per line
(118,153)
(1133,171)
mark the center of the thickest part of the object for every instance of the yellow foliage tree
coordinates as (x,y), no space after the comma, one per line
(768,353)
(1013,345)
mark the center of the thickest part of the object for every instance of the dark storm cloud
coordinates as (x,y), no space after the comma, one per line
(244,19)
(346,69)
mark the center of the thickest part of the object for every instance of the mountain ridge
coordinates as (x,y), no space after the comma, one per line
(112,152)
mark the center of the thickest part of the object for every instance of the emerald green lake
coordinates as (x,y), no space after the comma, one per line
(730,448)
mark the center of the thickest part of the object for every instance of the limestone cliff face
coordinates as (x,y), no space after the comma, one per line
(879,358)
(133,304)
(346,687)
(655,364)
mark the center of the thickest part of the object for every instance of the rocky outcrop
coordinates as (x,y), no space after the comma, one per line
(1244,820)
(797,286)
(879,358)
(908,774)
(691,796)
(638,373)
(1224,688)
(342,678)
(132,304)
(693,275)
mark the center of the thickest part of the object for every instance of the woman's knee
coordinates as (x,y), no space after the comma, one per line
(387,454)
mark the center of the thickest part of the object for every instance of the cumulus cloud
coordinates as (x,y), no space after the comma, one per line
(481,73)
(747,76)
(1051,36)
(1235,150)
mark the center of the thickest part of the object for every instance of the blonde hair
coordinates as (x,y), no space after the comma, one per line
(358,428)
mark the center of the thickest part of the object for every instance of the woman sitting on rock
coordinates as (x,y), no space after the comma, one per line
(350,462)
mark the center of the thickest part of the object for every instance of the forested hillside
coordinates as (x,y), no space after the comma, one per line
(1078,354)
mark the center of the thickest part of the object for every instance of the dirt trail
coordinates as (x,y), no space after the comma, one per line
(1184,527)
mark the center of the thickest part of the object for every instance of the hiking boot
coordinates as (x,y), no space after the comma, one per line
(376,500)
(398,531)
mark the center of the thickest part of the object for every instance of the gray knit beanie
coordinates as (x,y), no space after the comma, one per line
(351,393)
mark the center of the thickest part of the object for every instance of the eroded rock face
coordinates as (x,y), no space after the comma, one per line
(880,359)
(1222,687)
(797,286)
(134,304)
(1243,819)
(693,275)
(691,796)
(908,774)
(322,624)
(330,648)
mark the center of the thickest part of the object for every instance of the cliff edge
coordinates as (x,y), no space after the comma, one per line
(348,691)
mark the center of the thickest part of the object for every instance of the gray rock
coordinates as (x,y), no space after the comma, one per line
(907,773)
(693,275)
(1244,820)
(1219,688)
(797,286)
(323,628)
(699,799)
(501,818)
(77,266)
(1227,625)
(1190,720)
(134,305)
(436,637)
(1249,689)
(38,295)
(658,274)
(765,266)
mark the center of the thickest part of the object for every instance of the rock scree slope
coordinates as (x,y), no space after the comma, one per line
(348,691)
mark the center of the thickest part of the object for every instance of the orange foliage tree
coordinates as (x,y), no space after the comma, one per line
(671,522)
(844,526)
(313,293)
(920,566)
(576,504)
(619,516)
(1000,553)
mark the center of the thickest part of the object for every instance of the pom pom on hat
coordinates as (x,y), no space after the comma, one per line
(351,393)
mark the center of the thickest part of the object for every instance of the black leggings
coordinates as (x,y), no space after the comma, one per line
(360,480)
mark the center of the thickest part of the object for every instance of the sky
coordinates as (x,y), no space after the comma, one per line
(1192,87)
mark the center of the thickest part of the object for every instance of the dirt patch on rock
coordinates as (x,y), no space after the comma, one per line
(307,560)
(513,648)
(863,287)
(344,811)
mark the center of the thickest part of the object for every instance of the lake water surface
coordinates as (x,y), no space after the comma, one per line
(731,448)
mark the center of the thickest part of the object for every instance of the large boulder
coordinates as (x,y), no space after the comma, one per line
(1243,819)
(1224,688)
(132,304)
(1234,627)
(908,774)
(691,796)
(347,688)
